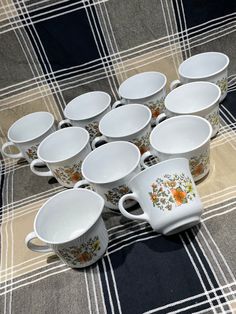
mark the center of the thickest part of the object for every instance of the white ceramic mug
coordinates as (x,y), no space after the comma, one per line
(185,136)
(26,134)
(108,168)
(196,98)
(167,195)
(86,111)
(70,224)
(206,66)
(147,88)
(126,123)
(63,153)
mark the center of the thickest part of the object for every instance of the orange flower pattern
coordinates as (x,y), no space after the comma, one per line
(156,107)
(171,191)
(142,143)
(82,254)
(113,196)
(199,164)
(69,175)
(32,152)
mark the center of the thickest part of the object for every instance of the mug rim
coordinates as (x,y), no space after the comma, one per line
(203,76)
(60,131)
(22,118)
(157,165)
(84,231)
(140,74)
(102,147)
(107,116)
(181,117)
(89,117)
(194,83)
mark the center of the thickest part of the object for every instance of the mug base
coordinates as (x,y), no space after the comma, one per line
(181,225)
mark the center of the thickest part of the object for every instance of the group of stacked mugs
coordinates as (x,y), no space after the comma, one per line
(70,223)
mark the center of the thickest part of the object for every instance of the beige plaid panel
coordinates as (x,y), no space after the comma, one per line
(17,259)
(165,60)
(7,9)
(15,107)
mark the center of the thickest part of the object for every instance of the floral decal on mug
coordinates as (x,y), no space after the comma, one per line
(80,254)
(69,175)
(214,118)
(156,107)
(172,191)
(93,129)
(199,164)
(223,84)
(113,196)
(31,152)
(142,143)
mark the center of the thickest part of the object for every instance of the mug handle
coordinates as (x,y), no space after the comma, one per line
(174,84)
(80,184)
(144,157)
(97,140)
(161,118)
(117,103)
(8,144)
(131,196)
(62,122)
(35,247)
(38,162)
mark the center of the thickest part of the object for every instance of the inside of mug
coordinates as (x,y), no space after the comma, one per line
(180,134)
(203,65)
(30,126)
(63,144)
(125,120)
(68,215)
(192,97)
(110,162)
(142,85)
(87,105)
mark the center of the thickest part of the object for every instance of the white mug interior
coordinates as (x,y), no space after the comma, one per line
(180,134)
(110,162)
(68,215)
(203,65)
(142,85)
(192,97)
(30,127)
(63,144)
(87,105)
(125,120)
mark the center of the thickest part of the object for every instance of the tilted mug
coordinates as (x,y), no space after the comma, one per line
(126,123)
(206,66)
(71,226)
(108,168)
(185,136)
(26,134)
(167,195)
(86,111)
(63,153)
(146,88)
(196,98)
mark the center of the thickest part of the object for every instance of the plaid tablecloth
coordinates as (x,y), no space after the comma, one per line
(52,51)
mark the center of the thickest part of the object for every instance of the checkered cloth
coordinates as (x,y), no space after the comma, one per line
(52,51)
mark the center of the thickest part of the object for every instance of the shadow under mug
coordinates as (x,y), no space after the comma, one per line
(206,66)
(63,153)
(108,169)
(26,134)
(130,123)
(78,236)
(185,136)
(146,88)
(196,98)
(86,111)
(167,195)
